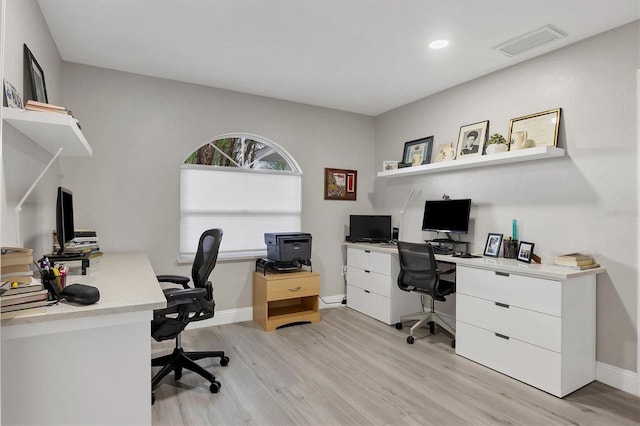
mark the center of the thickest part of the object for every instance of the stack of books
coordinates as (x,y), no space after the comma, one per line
(20,295)
(32,105)
(577,261)
(86,240)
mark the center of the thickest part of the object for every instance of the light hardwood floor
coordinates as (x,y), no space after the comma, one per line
(349,369)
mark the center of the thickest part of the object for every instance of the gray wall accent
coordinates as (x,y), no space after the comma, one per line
(586,201)
(141,130)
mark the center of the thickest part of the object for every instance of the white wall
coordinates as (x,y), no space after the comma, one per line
(586,201)
(23,161)
(142,128)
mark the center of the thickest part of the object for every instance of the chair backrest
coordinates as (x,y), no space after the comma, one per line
(418,267)
(206,257)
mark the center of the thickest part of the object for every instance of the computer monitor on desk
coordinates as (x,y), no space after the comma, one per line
(448,217)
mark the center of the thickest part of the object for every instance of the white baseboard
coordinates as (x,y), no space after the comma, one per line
(617,377)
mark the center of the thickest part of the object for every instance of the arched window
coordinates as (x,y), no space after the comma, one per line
(244,184)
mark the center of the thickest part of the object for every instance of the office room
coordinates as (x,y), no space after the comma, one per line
(142,121)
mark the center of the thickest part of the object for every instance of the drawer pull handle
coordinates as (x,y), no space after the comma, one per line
(367,291)
(502,336)
(367,271)
(295,288)
(502,274)
(502,305)
(367,251)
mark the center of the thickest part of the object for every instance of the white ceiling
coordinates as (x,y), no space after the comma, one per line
(365,56)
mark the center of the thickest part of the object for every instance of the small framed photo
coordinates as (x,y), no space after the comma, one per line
(14,100)
(389,165)
(445,152)
(492,247)
(525,251)
(340,184)
(36,77)
(418,151)
(472,138)
(539,129)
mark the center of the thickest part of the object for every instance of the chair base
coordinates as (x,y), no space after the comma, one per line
(424,318)
(180,359)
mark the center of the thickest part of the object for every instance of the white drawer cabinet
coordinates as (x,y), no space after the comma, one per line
(537,330)
(372,286)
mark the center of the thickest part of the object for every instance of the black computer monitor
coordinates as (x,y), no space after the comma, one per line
(370,228)
(64,218)
(448,216)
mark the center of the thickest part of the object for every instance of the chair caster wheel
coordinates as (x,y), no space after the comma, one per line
(224,361)
(215,387)
(410,340)
(153,398)
(398,326)
(178,372)
(432,327)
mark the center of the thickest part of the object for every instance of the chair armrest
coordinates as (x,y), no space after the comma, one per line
(175,279)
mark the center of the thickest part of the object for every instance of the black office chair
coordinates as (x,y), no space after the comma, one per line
(185,305)
(419,273)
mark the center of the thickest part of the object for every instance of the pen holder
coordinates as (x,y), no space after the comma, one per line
(510,248)
(53,283)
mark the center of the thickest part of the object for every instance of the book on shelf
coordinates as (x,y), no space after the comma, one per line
(584,262)
(24,312)
(573,256)
(16,299)
(7,289)
(41,106)
(10,256)
(9,275)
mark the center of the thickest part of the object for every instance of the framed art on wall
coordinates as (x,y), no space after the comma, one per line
(340,184)
(471,139)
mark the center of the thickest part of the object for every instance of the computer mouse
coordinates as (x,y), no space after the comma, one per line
(466,254)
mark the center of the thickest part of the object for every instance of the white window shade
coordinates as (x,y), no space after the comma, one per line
(243,203)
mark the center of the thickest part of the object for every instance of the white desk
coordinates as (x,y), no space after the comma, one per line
(88,365)
(536,323)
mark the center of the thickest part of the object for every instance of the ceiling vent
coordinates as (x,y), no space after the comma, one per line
(530,40)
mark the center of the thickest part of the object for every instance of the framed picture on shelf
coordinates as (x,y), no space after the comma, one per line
(492,247)
(418,151)
(445,152)
(389,165)
(525,251)
(340,184)
(14,100)
(530,131)
(36,77)
(471,139)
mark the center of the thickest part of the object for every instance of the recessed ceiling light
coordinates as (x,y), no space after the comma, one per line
(439,44)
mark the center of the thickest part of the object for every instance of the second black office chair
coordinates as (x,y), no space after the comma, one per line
(185,305)
(419,273)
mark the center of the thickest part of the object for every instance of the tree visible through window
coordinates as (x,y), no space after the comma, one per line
(244,184)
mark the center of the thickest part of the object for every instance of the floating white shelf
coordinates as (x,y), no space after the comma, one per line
(530,154)
(50,130)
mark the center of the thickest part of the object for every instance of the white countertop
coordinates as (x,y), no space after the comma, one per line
(126,283)
(497,264)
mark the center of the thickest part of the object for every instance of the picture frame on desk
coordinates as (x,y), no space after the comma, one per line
(492,246)
(525,251)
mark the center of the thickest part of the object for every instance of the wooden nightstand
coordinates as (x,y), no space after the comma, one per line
(285,298)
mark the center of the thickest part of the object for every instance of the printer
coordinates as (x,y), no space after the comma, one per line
(288,247)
